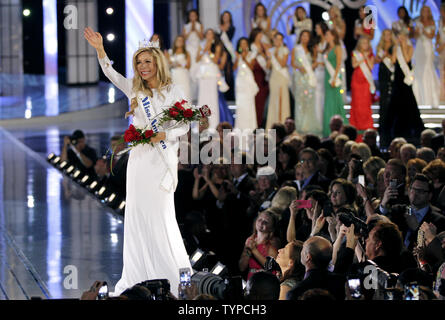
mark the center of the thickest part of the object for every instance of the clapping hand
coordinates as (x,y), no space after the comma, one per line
(250,243)
(430,231)
(319,224)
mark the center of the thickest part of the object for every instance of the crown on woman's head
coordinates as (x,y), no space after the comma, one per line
(148,44)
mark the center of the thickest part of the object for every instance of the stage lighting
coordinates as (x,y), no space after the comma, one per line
(121,206)
(85,179)
(92,187)
(219,269)
(111,198)
(110,37)
(55,160)
(50,156)
(26,12)
(110,11)
(196,256)
(76,174)
(63,164)
(70,169)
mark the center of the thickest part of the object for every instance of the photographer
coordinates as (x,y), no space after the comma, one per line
(78,153)
(394,177)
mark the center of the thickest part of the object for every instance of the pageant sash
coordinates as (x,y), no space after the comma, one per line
(277,66)
(331,72)
(307,66)
(409,75)
(365,69)
(168,181)
(228,44)
(261,60)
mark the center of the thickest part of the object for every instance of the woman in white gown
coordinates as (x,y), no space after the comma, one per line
(440,47)
(279,103)
(426,85)
(208,75)
(193,33)
(179,60)
(153,245)
(320,31)
(304,87)
(245,87)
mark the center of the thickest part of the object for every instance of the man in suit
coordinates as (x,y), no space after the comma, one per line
(315,256)
(312,176)
(394,178)
(410,218)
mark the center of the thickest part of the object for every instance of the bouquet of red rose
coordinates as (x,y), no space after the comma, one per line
(183,112)
(138,136)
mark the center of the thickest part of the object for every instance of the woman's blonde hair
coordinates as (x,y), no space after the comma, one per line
(381,44)
(162,72)
(338,15)
(283,198)
(360,40)
(430,14)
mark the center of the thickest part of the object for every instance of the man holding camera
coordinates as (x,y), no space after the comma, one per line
(78,153)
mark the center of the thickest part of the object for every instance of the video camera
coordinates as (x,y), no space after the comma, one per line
(347,217)
(222,289)
(159,288)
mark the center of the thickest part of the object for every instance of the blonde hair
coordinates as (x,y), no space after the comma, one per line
(338,16)
(162,72)
(360,40)
(381,44)
(362,149)
(283,198)
(430,14)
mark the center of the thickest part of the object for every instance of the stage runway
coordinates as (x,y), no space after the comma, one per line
(56,238)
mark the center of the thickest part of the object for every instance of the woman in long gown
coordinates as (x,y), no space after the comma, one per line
(227,31)
(279,103)
(300,22)
(333,101)
(193,33)
(362,87)
(386,77)
(338,24)
(179,60)
(403,114)
(153,245)
(209,75)
(426,85)
(304,87)
(260,72)
(245,87)
(440,47)
(320,31)
(404,24)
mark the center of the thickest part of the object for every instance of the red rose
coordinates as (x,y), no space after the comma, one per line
(179,106)
(148,134)
(173,113)
(130,134)
(138,136)
(188,113)
(183,101)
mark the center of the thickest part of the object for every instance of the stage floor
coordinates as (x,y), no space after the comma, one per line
(56,239)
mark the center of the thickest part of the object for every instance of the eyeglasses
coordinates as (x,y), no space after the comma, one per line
(422,191)
(306,160)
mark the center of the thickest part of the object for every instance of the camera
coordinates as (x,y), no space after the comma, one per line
(271,265)
(358,164)
(221,289)
(347,218)
(73,140)
(411,291)
(328,209)
(103,292)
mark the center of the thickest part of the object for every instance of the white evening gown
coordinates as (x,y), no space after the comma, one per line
(426,85)
(153,245)
(319,89)
(180,74)
(192,44)
(279,100)
(208,75)
(245,92)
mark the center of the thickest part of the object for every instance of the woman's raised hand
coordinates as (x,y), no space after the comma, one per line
(94,38)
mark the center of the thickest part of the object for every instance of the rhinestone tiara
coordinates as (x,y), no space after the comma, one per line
(148,44)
